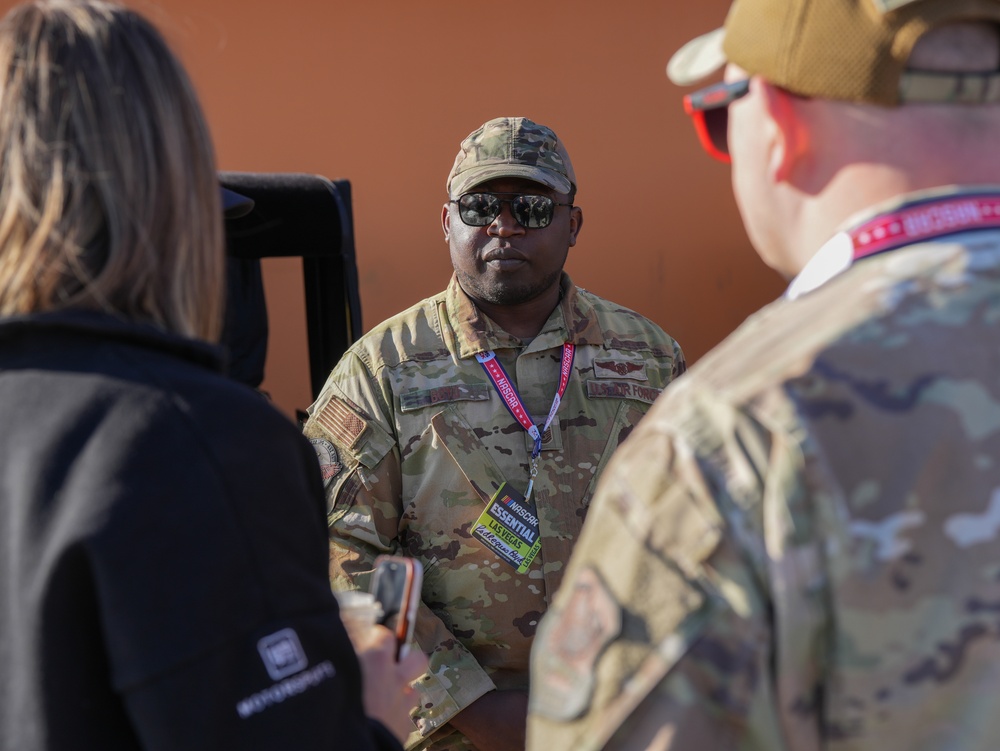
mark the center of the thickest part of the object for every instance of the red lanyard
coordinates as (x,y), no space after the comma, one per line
(512,400)
(925,221)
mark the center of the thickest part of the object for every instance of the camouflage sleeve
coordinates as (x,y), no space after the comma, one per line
(660,636)
(350,429)
(354,437)
(680,364)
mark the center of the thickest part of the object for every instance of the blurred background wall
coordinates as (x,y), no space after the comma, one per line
(381,92)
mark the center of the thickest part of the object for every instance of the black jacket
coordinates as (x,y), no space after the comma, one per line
(163,575)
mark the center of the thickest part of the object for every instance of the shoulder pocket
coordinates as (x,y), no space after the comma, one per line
(345,439)
(354,434)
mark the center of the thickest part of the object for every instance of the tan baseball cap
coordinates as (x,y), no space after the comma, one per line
(511,147)
(852,50)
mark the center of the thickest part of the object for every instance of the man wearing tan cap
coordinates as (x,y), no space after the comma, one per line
(468,431)
(797,549)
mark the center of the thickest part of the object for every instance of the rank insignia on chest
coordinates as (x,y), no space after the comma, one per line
(620,369)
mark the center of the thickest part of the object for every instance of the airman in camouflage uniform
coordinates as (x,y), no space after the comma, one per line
(415,439)
(797,548)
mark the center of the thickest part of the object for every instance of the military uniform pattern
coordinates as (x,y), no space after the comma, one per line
(414,441)
(494,148)
(797,548)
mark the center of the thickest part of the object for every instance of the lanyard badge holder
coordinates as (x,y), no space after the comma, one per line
(509,525)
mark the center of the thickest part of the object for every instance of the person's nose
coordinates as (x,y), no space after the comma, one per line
(505,224)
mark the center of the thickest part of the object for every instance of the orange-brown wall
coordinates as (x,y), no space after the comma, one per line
(381,92)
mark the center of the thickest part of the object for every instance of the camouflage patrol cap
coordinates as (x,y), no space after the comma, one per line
(852,50)
(511,147)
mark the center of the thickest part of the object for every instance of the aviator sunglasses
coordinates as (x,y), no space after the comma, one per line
(709,108)
(530,211)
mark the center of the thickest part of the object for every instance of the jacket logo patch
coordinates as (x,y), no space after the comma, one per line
(287,664)
(612,368)
(573,641)
(282,654)
(329,460)
(622,390)
(455,392)
(343,424)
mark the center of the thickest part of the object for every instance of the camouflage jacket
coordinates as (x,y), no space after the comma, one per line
(797,548)
(414,441)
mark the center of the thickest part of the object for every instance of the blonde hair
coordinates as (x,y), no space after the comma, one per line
(109,198)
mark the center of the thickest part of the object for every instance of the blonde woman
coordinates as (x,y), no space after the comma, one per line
(162,538)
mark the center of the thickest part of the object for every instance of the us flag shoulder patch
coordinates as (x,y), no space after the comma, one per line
(342,423)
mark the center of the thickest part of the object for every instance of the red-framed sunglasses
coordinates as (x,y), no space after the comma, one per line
(709,108)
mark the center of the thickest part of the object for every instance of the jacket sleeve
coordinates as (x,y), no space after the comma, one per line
(352,430)
(661,635)
(679,363)
(219,623)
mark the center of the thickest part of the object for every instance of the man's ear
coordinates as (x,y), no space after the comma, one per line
(575,223)
(446,222)
(790,135)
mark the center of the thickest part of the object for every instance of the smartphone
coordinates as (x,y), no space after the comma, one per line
(396,585)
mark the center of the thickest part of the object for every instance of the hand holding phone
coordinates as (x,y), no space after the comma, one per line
(396,585)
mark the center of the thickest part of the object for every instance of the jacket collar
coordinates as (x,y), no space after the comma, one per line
(573,320)
(92,324)
(837,254)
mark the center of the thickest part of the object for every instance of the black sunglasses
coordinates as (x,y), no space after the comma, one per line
(530,211)
(709,108)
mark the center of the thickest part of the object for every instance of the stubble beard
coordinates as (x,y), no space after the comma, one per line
(497,292)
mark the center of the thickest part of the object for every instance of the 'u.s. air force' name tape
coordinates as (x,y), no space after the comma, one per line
(622,390)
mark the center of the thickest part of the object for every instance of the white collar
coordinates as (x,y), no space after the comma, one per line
(837,254)
(833,258)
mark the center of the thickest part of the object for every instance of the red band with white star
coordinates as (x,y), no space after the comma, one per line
(925,221)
